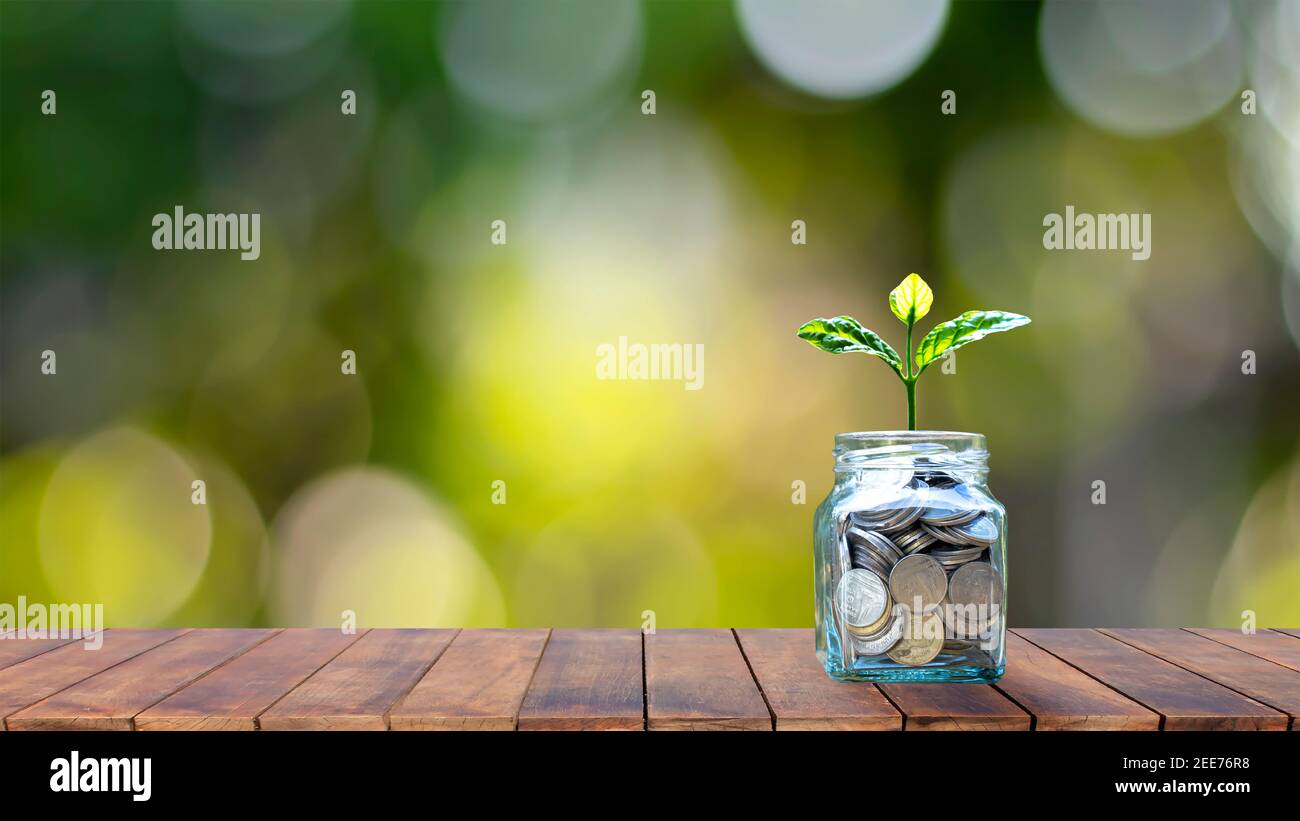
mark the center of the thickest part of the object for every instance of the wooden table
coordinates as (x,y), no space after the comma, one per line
(562,679)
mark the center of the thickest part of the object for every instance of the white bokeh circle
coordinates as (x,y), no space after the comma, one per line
(841,50)
(118,527)
(1141,69)
(368,541)
(540,61)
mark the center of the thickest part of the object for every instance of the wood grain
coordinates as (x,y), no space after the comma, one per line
(963,706)
(1289,631)
(232,697)
(477,684)
(14,650)
(587,680)
(1187,701)
(1268,683)
(356,690)
(111,699)
(26,683)
(1060,697)
(1266,644)
(800,694)
(698,680)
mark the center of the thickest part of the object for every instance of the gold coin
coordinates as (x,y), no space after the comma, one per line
(921,641)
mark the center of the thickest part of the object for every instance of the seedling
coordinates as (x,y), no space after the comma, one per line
(910,301)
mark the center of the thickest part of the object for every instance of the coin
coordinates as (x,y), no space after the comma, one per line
(878,542)
(903,518)
(862,598)
(920,642)
(942,534)
(881,624)
(981,531)
(887,639)
(918,578)
(913,540)
(882,546)
(951,559)
(955,505)
(864,559)
(975,599)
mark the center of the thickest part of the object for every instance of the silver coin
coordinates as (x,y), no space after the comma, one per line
(914,540)
(918,578)
(905,539)
(864,559)
(882,642)
(870,518)
(877,544)
(974,599)
(960,556)
(862,597)
(948,503)
(882,546)
(940,518)
(902,519)
(943,534)
(981,531)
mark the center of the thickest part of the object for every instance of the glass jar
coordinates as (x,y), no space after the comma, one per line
(911,560)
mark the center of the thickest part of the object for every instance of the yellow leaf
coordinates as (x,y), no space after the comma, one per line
(911,300)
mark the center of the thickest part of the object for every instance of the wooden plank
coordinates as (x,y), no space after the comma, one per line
(800,694)
(1059,697)
(232,697)
(1268,683)
(14,650)
(698,680)
(111,699)
(1293,632)
(1186,700)
(1266,644)
(477,684)
(587,680)
(356,690)
(961,706)
(26,683)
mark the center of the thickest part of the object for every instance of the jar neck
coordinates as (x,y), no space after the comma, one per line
(860,456)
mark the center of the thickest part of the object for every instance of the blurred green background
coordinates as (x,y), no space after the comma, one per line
(476,362)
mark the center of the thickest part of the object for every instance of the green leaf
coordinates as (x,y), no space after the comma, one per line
(911,300)
(969,327)
(844,334)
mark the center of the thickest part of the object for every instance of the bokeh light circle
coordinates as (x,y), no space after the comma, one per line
(263,28)
(260,52)
(1260,571)
(232,589)
(842,50)
(1141,69)
(368,541)
(118,527)
(576,573)
(540,61)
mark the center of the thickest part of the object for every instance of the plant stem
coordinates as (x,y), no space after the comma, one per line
(910,381)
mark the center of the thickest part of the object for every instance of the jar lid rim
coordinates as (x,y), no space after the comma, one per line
(922,435)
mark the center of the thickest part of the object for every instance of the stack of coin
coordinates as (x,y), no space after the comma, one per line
(923,554)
